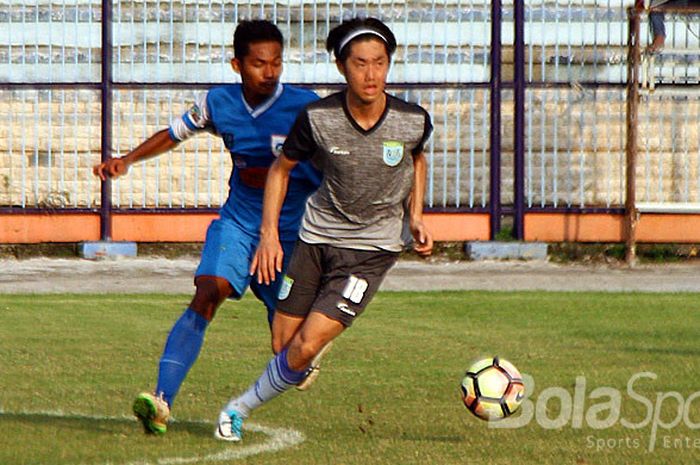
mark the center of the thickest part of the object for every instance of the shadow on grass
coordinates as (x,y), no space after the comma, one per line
(98,424)
(72,438)
(433,438)
(662,351)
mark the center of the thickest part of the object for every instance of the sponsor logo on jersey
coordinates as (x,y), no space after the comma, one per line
(338,151)
(393,152)
(285,288)
(343,307)
(276,143)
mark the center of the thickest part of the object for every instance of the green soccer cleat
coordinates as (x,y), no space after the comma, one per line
(153,413)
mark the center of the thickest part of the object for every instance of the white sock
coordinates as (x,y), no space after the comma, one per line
(276,379)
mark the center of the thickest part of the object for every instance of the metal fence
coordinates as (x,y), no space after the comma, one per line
(63,63)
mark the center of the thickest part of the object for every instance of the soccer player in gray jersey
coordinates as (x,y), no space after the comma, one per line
(369,146)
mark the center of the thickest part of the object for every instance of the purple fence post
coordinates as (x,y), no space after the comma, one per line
(495,141)
(519,122)
(106,124)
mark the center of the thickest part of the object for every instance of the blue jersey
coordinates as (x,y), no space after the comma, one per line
(254,136)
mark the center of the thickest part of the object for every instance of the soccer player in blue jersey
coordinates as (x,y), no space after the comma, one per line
(253,119)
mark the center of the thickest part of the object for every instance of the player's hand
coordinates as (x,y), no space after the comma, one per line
(268,259)
(423,240)
(112,168)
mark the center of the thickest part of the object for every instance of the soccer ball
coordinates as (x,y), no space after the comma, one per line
(492,389)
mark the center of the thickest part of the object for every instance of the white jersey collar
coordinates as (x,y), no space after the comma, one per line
(263,107)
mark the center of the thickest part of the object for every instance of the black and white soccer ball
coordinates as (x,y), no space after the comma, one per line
(492,389)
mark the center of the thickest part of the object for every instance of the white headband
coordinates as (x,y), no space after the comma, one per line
(359,32)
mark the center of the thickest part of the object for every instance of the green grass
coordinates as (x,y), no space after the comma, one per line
(388,393)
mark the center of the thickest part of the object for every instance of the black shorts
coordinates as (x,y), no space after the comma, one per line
(336,282)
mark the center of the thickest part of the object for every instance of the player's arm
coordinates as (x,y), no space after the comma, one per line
(182,128)
(299,145)
(158,143)
(269,255)
(423,239)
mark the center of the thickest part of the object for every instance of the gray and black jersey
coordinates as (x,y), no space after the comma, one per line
(368,174)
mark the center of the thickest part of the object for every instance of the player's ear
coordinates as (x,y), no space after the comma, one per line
(341,66)
(236,65)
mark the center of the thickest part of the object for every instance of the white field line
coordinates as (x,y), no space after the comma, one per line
(278,439)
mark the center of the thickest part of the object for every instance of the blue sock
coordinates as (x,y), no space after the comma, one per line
(181,350)
(288,375)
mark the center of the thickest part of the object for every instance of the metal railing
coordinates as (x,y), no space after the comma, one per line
(528,99)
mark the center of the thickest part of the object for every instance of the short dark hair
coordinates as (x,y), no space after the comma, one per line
(250,31)
(337,36)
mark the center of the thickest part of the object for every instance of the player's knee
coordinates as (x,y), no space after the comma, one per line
(307,350)
(212,288)
(206,295)
(211,291)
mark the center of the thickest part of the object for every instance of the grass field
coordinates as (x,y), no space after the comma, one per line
(70,366)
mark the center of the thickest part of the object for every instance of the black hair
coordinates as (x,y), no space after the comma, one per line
(339,33)
(250,31)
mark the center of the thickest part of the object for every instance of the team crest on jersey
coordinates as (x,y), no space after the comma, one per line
(285,288)
(276,143)
(195,114)
(393,152)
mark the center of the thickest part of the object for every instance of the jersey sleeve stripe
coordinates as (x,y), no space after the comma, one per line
(193,120)
(188,122)
(172,135)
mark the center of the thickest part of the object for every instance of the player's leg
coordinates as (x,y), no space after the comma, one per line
(297,293)
(292,293)
(284,327)
(187,335)
(219,276)
(210,293)
(349,286)
(350,280)
(269,293)
(314,369)
(285,370)
(316,333)
(304,273)
(181,350)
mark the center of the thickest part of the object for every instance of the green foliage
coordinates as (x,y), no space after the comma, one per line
(505,234)
(662,253)
(613,252)
(388,392)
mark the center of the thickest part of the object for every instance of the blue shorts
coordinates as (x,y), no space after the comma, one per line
(227,253)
